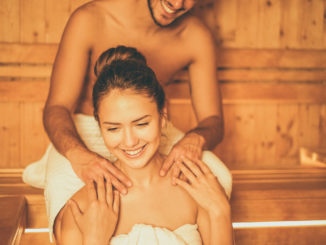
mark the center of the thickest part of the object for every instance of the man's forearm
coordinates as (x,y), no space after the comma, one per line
(211,129)
(61,129)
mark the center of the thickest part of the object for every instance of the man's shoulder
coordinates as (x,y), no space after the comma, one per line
(192,24)
(93,9)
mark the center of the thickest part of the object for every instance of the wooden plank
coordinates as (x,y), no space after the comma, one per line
(264,75)
(56,16)
(9,21)
(27,53)
(36,91)
(227,57)
(312,24)
(33,21)
(226,22)
(272,58)
(9,134)
(33,138)
(281,236)
(25,71)
(255,92)
(27,91)
(246,32)
(42,238)
(12,221)
(268,24)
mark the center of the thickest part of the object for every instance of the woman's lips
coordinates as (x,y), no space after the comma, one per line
(134,153)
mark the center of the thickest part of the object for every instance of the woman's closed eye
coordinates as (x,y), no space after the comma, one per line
(112,129)
(142,124)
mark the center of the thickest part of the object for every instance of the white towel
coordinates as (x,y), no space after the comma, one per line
(141,234)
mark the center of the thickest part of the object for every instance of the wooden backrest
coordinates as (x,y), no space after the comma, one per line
(273,100)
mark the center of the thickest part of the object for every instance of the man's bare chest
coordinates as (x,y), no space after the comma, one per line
(165,55)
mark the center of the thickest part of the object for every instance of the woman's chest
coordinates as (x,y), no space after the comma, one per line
(169,209)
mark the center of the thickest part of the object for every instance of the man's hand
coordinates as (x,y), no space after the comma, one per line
(190,146)
(90,166)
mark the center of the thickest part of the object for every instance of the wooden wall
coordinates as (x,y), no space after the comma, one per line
(272,73)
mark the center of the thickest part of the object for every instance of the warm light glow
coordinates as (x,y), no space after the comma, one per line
(36,230)
(239,225)
(278,223)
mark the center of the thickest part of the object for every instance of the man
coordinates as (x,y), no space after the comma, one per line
(170,39)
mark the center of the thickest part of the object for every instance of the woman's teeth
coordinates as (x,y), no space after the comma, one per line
(166,8)
(132,153)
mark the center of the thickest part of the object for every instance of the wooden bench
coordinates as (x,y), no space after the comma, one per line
(258,196)
(13,211)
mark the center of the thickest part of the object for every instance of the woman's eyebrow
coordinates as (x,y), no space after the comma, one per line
(141,118)
(136,120)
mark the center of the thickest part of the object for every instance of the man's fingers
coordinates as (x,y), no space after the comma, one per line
(116,202)
(118,185)
(167,163)
(117,173)
(175,173)
(75,210)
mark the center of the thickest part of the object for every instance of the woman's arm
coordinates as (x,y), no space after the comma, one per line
(95,224)
(214,213)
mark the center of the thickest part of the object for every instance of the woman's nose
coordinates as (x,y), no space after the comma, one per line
(130,138)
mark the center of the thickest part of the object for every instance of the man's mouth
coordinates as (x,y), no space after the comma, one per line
(134,153)
(167,9)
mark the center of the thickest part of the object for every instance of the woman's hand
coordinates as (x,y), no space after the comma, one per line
(98,222)
(90,166)
(190,146)
(203,186)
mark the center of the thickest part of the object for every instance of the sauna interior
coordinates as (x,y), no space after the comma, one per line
(272,75)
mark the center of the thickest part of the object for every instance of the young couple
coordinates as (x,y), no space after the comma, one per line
(129,108)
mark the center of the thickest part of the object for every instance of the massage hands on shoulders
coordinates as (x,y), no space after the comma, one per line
(98,222)
(92,166)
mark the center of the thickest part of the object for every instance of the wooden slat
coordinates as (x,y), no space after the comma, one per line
(36,91)
(232,57)
(272,58)
(25,71)
(9,21)
(9,134)
(264,75)
(27,91)
(257,92)
(28,53)
(281,235)
(12,219)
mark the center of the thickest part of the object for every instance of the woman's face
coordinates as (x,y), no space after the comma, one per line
(131,126)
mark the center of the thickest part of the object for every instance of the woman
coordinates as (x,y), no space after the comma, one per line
(128,105)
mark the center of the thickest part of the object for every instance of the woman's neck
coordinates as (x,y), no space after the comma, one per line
(145,176)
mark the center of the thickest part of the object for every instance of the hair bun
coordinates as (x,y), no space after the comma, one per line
(119,53)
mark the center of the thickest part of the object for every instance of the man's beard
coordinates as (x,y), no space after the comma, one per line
(153,17)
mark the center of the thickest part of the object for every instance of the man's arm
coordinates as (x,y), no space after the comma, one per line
(205,96)
(69,73)
(205,91)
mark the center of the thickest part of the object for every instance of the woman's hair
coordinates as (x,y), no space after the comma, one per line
(125,68)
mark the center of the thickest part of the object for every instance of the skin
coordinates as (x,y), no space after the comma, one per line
(102,24)
(95,214)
